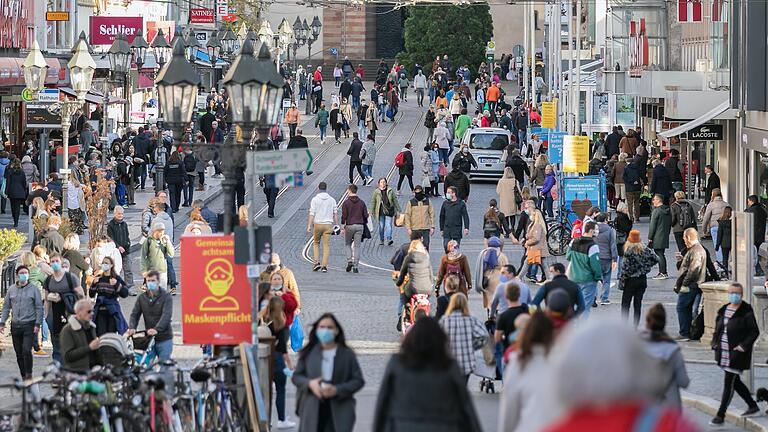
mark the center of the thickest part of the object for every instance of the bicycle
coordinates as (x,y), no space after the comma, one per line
(559,232)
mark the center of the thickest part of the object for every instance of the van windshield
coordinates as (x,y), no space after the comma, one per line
(488,141)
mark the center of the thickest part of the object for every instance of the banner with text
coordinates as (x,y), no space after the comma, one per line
(576,154)
(579,194)
(555,149)
(549,114)
(104,29)
(216,300)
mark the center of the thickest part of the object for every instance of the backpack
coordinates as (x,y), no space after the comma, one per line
(400,159)
(190,163)
(454,269)
(67,296)
(686,221)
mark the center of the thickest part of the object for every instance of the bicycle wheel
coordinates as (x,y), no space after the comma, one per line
(557,240)
(186,417)
(124,422)
(235,421)
(213,418)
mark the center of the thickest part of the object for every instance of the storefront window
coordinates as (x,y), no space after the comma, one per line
(600,113)
(720,57)
(625,110)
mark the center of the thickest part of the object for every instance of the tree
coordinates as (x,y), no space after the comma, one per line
(459,31)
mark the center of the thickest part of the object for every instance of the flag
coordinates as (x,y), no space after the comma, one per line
(689,11)
(720,10)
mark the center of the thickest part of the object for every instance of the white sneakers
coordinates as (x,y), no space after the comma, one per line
(285,424)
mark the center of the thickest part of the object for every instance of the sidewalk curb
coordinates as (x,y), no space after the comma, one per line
(710,406)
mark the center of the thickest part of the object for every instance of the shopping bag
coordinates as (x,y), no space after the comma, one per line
(297,334)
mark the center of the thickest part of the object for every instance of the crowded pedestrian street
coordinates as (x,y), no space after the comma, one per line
(360,220)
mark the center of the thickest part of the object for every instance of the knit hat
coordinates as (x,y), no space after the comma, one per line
(158,226)
(634,236)
(26,158)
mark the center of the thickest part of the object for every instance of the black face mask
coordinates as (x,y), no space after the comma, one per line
(419,196)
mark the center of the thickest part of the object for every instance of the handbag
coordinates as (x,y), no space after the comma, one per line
(534,256)
(442,170)
(518,196)
(400,219)
(263,331)
(425,182)
(297,334)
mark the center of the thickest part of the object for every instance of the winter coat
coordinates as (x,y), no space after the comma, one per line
(713,182)
(677,208)
(418,268)
(52,241)
(584,261)
(376,202)
(175,174)
(672,165)
(348,379)
(77,264)
(460,181)
(606,241)
(406,395)
(692,269)
(632,178)
(505,189)
(466,161)
(526,399)
(669,355)
(407,169)
(549,182)
(419,215)
(618,172)
(453,217)
(661,224)
(322,118)
(157,312)
(623,225)
(637,265)
(429,120)
(537,176)
(742,331)
(442,137)
(31,172)
(723,234)
(118,232)
(465,281)
(759,216)
(153,253)
(15,184)
(426,165)
(519,167)
(536,240)
(369,152)
(74,348)
(463,123)
(628,145)
(354,150)
(661,183)
(713,213)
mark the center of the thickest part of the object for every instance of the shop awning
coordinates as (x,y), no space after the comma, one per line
(204,60)
(709,115)
(92,96)
(11,73)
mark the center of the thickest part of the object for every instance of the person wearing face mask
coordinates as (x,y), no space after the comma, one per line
(61,290)
(508,274)
(24,300)
(278,288)
(420,216)
(736,331)
(327,376)
(108,286)
(465,160)
(453,217)
(156,306)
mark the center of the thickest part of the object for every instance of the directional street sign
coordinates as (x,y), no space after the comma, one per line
(27,95)
(48,96)
(281,161)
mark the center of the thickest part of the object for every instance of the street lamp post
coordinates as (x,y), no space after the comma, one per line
(119,64)
(300,39)
(35,70)
(81,68)
(315,27)
(161,50)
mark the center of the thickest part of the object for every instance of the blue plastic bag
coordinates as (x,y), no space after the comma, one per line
(297,334)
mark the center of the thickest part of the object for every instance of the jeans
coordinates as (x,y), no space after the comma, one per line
(589,292)
(45,331)
(548,202)
(355,165)
(353,235)
(607,270)
(321,232)
(685,310)
(171,272)
(174,196)
(618,263)
(718,252)
(420,96)
(662,260)
(444,156)
(189,190)
(430,135)
(323,129)
(731,383)
(280,379)
(361,131)
(383,112)
(385,227)
(164,349)
(292,129)
(56,354)
(634,288)
(355,102)
(23,336)
(521,136)
(368,171)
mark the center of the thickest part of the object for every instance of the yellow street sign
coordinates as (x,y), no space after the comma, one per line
(57,16)
(549,115)
(576,154)
(27,95)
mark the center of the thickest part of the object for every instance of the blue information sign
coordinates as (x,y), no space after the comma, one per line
(555,152)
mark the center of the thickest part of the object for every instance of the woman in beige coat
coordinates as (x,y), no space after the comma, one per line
(536,249)
(505,189)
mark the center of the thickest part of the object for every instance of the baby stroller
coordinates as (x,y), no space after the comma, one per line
(418,302)
(486,366)
(115,351)
(143,348)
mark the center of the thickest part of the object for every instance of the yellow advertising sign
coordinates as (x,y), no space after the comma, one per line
(549,115)
(576,154)
(57,16)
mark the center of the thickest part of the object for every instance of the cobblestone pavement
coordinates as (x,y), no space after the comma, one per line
(365,303)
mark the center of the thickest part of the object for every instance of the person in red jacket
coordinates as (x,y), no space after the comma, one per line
(318,75)
(278,288)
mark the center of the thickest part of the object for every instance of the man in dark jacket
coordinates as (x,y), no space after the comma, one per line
(658,233)
(354,216)
(505,121)
(79,343)
(458,180)
(713,182)
(759,216)
(142,145)
(633,186)
(355,161)
(561,281)
(453,217)
(672,164)
(661,183)
(346,89)
(692,271)
(613,140)
(117,230)
(298,141)
(206,123)
(357,90)
(156,306)
(518,165)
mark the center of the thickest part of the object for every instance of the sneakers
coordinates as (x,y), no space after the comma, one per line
(716,421)
(389,243)
(349,267)
(285,424)
(324,269)
(605,302)
(681,338)
(661,276)
(316,267)
(40,353)
(751,411)
(381,242)
(355,270)
(172,291)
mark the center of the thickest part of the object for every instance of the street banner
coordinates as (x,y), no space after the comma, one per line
(202,16)
(168,27)
(104,29)
(579,194)
(549,115)
(216,299)
(576,154)
(543,135)
(555,149)
(38,116)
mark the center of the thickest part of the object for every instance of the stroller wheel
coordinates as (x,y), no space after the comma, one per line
(482,385)
(491,387)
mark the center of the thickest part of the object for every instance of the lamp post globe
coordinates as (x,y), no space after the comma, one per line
(81,68)
(161,48)
(177,85)
(214,48)
(119,55)
(316,27)
(139,48)
(35,68)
